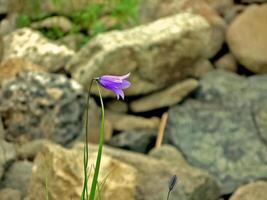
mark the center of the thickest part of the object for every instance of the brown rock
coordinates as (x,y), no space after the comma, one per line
(63,170)
(13,67)
(251,191)
(124,122)
(10,194)
(168,97)
(227,62)
(247,39)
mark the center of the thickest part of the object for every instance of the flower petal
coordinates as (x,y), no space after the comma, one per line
(119,94)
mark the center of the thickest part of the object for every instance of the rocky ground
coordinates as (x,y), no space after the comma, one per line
(203,62)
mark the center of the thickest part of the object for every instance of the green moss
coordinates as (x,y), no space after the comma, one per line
(88,21)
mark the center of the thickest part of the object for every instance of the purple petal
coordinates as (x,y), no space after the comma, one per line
(125,84)
(119,94)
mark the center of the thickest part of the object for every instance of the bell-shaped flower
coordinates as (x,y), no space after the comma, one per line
(115,84)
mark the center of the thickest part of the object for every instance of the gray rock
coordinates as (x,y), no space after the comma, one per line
(42,105)
(18,176)
(252,191)
(31,45)
(157,57)
(138,141)
(168,97)
(250,52)
(7,155)
(224,130)
(10,194)
(169,154)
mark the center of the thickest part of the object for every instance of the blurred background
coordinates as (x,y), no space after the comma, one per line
(197,106)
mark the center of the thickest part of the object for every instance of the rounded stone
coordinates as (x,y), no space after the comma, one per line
(247,39)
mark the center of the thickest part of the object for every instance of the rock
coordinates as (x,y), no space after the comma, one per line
(153,177)
(157,57)
(30,149)
(169,154)
(219,5)
(18,176)
(227,62)
(249,51)
(253,1)
(63,170)
(251,191)
(7,156)
(10,194)
(10,69)
(168,97)
(73,41)
(63,23)
(117,106)
(124,122)
(32,46)
(231,13)
(151,10)
(138,141)
(2,130)
(4,5)
(201,67)
(8,24)
(224,129)
(42,105)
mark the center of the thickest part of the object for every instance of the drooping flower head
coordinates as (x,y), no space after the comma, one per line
(115,83)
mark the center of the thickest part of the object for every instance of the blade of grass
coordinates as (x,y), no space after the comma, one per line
(100,148)
(85,195)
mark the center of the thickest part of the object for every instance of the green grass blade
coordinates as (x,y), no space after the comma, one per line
(100,148)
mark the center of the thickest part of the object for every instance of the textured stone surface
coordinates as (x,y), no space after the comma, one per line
(158,54)
(2,131)
(42,105)
(251,191)
(124,122)
(138,141)
(7,155)
(64,171)
(10,194)
(154,174)
(168,97)
(10,69)
(249,51)
(18,176)
(224,130)
(227,62)
(31,45)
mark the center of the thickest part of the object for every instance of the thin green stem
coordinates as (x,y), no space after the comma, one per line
(100,147)
(85,195)
(168,196)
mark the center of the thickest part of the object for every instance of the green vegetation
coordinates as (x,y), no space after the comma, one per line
(92,20)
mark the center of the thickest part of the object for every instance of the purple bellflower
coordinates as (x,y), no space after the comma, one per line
(115,84)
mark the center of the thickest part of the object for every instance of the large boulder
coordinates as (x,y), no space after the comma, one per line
(131,176)
(32,46)
(251,191)
(250,47)
(224,130)
(158,54)
(42,105)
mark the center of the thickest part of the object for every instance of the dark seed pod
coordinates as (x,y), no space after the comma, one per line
(172,182)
